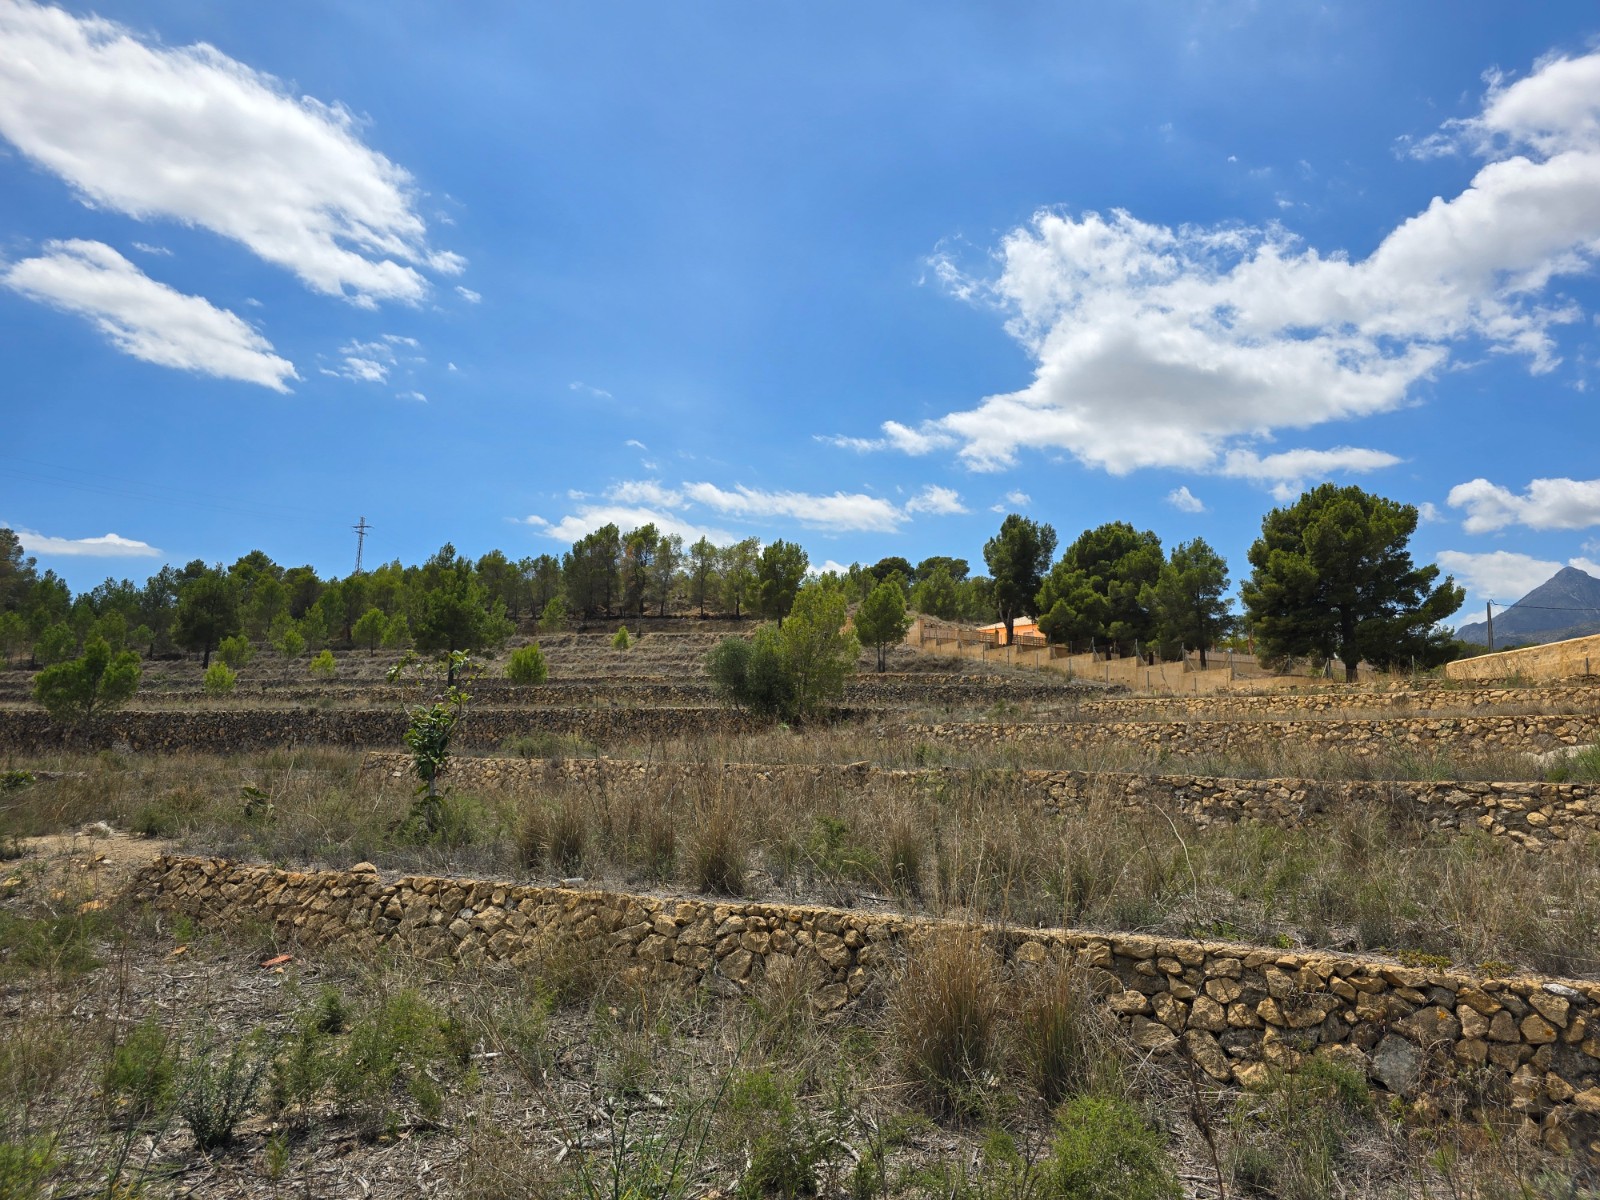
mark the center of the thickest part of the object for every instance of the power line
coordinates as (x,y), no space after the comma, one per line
(361,528)
(97,483)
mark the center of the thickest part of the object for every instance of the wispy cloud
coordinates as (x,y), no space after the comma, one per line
(109,545)
(470,296)
(578,385)
(146,319)
(676,507)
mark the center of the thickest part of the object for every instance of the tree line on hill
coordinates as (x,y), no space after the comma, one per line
(1331,579)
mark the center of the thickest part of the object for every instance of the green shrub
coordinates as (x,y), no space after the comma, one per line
(217,1089)
(620,640)
(220,680)
(945,1019)
(26,1165)
(141,1074)
(782,1146)
(308,1062)
(1103,1150)
(402,1047)
(236,651)
(323,666)
(554,615)
(527,665)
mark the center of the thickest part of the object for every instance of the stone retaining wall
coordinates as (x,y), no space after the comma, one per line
(217,731)
(1530,1043)
(1534,815)
(1361,737)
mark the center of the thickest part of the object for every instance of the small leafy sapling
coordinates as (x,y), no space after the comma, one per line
(431,724)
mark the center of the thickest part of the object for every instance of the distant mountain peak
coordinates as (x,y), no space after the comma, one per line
(1564,606)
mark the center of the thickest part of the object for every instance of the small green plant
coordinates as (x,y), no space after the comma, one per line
(403,1047)
(1104,1151)
(220,679)
(782,1145)
(140,1077)
(323,666)
(14,781)
(620,640)
(309,1060)
(236,651)
(554,615)
(217,1087)
(1291,1144)
(527,665)
(26,1166)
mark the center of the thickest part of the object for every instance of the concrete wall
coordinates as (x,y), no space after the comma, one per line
(1232,1010)
(1559,660)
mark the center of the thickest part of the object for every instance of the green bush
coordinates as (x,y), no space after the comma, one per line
(323,665)
(26,1165)
(1293,1141)
(220,680)
(236,651)
(527,665)
(621,640)
(1103,1150)
(217,1089)
(783,1147)
(401,1048)
(141,1074)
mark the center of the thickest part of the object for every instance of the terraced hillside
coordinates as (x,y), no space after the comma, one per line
(1337,942)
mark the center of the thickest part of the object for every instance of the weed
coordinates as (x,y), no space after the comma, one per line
(398,1047)
(1291,1145)
(945,1018)
(141,1074)
(26,1166)
(1103,1150)
(217,1089)
(1060,1038)
(718,857)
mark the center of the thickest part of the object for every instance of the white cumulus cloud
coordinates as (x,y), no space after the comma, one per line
(1162,346)
(840,511)
(1497,575)
(1184,500)
(590,517)
(147,319)
(1288,471)
(1546,504)
(191,135)
(936,500)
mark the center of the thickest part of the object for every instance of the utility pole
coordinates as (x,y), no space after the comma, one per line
(1489,608)
(361,538)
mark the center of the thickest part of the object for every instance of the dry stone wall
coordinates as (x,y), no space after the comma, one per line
(1410,702)
(1536,816)
(1472,734)
(215,731)
(1529,1043)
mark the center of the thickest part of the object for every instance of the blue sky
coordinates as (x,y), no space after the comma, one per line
(866,277)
